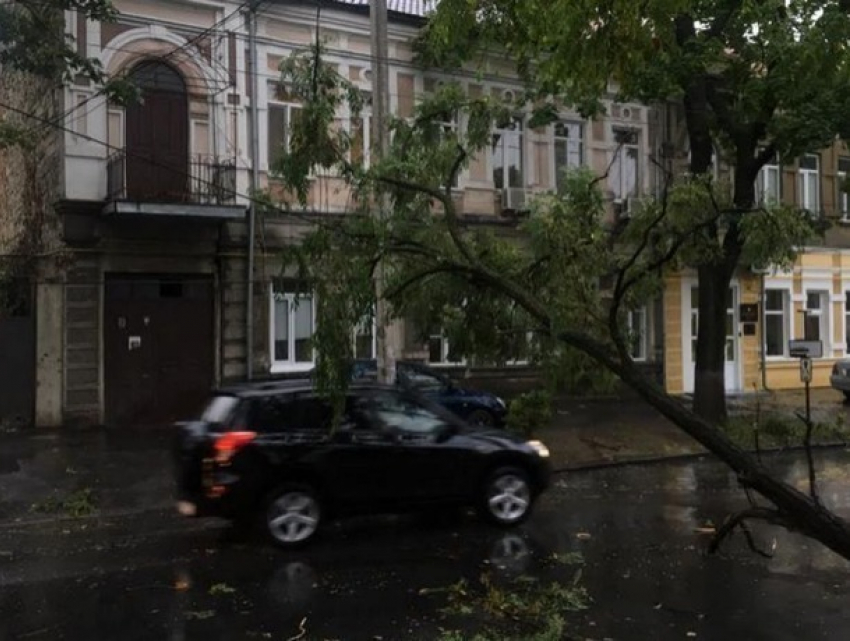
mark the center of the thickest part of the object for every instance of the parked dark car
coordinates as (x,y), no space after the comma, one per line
(474,406)
(268,453)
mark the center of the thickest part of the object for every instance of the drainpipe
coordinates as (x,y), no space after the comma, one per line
(255,181)
(763,345)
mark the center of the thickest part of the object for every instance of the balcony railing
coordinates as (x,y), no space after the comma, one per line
(206,180)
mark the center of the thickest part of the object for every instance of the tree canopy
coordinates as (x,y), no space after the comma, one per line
(564,273)
(757,79)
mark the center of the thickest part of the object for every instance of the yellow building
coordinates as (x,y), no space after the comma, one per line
(808,301)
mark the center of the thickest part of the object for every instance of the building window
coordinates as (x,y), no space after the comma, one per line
(439,350)
(365,339)
(767,184)
(293,322)
(843,199)
(637,333)
(506,156)
(847,322)
(568,149)
(360,132)
(776,322)
(283,112)
(449,129)
(624,173)
(80,122)
(817,318)
(808,183)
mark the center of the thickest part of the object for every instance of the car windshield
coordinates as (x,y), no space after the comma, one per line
(420,378)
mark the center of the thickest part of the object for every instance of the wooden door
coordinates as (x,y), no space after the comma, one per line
(158,347)
(157,136)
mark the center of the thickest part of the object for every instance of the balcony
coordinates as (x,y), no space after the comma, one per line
(202,187)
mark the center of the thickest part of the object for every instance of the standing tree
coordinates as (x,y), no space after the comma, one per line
(38,58)
(541,276)
(757,80)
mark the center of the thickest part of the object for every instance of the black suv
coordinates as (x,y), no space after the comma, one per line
(269,452)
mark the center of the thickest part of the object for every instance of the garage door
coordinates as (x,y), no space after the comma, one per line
(158,347)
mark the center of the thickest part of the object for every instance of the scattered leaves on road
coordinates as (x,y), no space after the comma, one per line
(199,615)
(221,588)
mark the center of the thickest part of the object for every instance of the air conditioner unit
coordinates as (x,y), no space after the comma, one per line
(514,199)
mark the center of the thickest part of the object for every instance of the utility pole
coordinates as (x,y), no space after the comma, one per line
(380,146)
(253,76)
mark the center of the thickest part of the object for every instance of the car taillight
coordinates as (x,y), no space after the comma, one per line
(228,444)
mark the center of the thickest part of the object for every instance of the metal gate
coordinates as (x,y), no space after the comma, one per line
(158,347)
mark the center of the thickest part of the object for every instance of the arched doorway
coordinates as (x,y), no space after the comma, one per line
(157,135)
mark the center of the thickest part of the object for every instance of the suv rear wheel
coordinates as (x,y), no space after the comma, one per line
(507,497)
(292,515)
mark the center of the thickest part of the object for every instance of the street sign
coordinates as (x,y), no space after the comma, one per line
(805,349)
(806,370)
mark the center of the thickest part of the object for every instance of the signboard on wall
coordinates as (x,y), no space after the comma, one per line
(749,312)
(805,349)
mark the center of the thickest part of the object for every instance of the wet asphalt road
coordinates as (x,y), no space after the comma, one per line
(155,576)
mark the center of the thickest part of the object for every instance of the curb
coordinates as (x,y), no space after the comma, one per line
(674,458)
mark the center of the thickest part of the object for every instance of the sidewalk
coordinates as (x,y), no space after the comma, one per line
(45,474)
(590,432)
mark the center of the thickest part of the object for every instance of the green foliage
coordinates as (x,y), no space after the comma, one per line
(33,42)
(528,412)
(498,293)
(524,609)
(77,504)
(781,431)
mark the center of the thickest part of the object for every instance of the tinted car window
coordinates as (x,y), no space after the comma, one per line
(402,413)
(219,409)
(288,413)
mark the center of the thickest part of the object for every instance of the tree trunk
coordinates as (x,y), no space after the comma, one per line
(798,510)
(709,375)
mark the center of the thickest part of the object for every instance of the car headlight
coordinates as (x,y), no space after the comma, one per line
(501,403)
(541,450)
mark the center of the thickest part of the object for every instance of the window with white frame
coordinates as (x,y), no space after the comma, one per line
(292,325)
(360,131)
(283,111)
(767,183)
(521,349)
(364,338)
(79,123)
(847,322)
(567,147)
(449,129)
(506,154)
(777,320)
(636,326)
(843,198)
(624,173)
(817,318)
(439,350)
(808,183)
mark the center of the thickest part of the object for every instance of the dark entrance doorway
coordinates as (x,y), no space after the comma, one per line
(158,347)
(17,352)
(158,136)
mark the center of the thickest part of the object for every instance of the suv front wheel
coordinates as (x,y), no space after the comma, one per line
(507,497)
(292,515)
